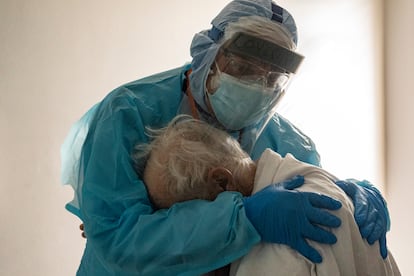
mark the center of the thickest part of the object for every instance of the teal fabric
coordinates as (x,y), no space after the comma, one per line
(125,236)
(70,156)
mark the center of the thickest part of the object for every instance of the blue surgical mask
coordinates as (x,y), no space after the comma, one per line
(237,104)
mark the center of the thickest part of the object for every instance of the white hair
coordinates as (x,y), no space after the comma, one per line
(182,154)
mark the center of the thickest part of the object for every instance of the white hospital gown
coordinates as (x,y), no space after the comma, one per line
(351,255)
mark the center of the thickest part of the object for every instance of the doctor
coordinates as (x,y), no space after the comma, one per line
(239,72)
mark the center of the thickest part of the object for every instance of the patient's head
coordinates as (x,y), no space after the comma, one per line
(190,159)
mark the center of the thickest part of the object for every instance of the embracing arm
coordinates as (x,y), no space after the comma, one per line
(122,228)
(184,238)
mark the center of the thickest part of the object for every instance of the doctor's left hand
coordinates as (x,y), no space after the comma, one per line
(371,213)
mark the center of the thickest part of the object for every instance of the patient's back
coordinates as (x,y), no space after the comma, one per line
(351,255)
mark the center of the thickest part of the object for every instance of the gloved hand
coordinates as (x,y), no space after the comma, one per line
(282,215)
(371,213)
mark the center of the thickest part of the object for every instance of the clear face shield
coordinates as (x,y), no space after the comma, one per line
(248,79)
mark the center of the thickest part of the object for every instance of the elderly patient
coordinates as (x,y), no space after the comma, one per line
(191,160)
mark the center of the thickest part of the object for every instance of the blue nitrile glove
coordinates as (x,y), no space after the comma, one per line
(371,213)
(282,215)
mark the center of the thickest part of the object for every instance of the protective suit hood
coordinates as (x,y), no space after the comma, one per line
(206,44)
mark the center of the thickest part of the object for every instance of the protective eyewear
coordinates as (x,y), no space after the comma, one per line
(251,71)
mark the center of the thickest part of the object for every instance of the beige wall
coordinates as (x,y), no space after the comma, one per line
(399,79)
(57,58)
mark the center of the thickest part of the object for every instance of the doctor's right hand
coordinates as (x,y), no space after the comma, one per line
(285,216)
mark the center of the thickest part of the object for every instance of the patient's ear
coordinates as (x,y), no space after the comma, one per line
(221,178)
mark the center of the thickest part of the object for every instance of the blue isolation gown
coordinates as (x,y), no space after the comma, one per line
(125,235)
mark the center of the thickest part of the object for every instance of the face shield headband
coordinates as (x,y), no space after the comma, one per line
(264,51)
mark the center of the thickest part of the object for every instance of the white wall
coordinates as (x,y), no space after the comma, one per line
(57,58)
(336,98)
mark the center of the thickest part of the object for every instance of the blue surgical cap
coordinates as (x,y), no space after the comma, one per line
(206,44)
